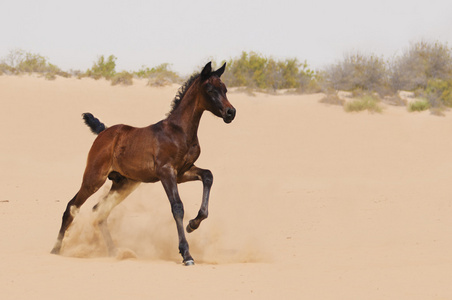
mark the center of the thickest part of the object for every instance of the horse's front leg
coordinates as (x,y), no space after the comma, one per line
(169,181)
(195,173)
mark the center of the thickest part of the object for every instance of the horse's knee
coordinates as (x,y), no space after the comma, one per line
(207,177)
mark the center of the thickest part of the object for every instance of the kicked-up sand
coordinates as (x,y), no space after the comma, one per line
(308,202)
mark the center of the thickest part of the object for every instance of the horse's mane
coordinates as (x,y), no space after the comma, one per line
(182,91)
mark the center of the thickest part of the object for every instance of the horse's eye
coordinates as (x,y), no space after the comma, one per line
(210,89)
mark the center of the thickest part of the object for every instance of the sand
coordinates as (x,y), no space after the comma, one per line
(308,202)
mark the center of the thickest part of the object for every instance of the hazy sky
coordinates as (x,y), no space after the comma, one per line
(72,34)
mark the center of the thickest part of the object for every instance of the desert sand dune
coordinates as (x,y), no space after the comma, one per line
(308,202)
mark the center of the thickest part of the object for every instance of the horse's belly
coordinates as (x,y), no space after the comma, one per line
(136,167)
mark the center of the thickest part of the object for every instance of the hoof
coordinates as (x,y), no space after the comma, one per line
(113,252)
(189,229)
(189,262)
(123,254)
(57,248)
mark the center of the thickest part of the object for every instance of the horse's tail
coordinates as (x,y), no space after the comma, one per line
(93,123)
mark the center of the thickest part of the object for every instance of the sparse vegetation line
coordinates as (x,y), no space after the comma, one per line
(425,69)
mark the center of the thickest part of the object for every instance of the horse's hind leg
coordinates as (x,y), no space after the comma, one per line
(88,188)
(120,189)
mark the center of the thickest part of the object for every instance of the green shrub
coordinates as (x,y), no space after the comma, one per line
(160,75)
(313,86)
(418,105)
(367,102)
(439,92)
(103,68)
(123,78)
(33,63)
(50,76)
(12,60)
(436,96)
(4,68)
(246,71)
(253,70)
(52,71)
(18,61)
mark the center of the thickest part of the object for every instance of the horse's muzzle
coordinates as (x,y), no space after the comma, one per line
(229,115)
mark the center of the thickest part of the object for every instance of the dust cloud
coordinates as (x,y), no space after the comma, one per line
(145,229)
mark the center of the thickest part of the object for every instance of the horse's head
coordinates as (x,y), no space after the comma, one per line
(214,93)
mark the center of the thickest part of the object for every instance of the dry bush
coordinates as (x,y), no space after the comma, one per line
(332,98)
(122,78)
(395,100)
(160,75)
(422,62)
(357,72)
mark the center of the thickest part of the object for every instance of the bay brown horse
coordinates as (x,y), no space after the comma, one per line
(165,151)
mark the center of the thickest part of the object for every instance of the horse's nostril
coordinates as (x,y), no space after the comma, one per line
(231,112)
(229,115)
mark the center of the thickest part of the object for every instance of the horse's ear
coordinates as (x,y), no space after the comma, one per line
(220,71)
(206,72)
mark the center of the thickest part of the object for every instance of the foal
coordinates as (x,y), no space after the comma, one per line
(165,151)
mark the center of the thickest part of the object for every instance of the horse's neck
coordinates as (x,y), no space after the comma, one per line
(187,116)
